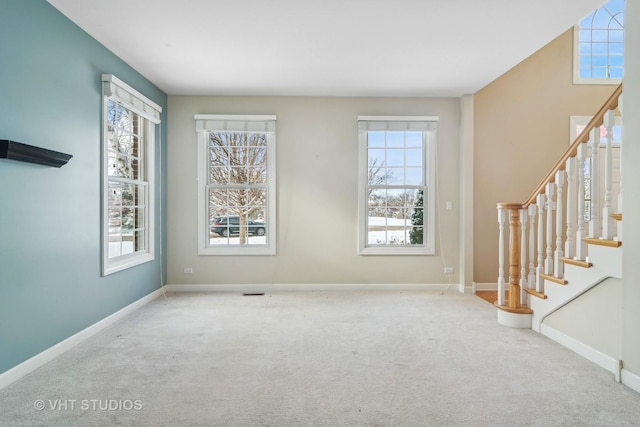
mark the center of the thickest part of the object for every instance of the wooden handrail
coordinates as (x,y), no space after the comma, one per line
(596,121)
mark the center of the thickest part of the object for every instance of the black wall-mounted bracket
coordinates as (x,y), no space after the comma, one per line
(29,153)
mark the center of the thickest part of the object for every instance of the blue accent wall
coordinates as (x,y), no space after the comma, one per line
(50,239)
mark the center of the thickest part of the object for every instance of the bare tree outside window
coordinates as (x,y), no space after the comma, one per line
(238,179)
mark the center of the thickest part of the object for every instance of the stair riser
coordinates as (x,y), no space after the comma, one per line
(607,259)
(607,262)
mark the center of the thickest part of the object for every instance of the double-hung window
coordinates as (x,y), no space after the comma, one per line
(129,121)
(599,45)
(236,184)
(396,185)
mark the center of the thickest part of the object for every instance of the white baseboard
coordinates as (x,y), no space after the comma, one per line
(309,287)
(40,359)
(630,379)
(485,286)
(466,289)
(607,362)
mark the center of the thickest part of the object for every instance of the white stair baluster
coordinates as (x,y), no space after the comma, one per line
(550,207)
(572,205)
(581,245)
(619,223)
(501,285)
(594,222)
(531,279)
(540,268)
(607,209)
(558,266)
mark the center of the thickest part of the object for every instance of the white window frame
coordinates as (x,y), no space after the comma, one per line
(206,123)
(576,63)
(114,89)
(429,187)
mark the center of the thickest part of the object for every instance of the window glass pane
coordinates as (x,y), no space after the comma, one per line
(585,49)
(617,134)
(414,157)
(257,174)
(376,158)
(615,72)
(585,36)
(600,35)
(414,176)
(615,61)
(395,176)
(599,48)
(257,140)
(414,139)
(375,139)
(395,157)
(395,139)
(219,175)
(616,36)
(616,49)
(585,72)
(115,220)
(599,61)
(585,60)
(219,156)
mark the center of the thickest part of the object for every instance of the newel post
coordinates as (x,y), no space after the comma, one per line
(514,253)
(514,257)
(513,312)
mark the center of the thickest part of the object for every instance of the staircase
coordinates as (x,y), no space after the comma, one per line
(566,237)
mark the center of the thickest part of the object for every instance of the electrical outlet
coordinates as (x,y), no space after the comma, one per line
(188,270)
(448,270)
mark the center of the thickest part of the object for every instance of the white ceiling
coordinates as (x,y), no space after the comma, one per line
(324,47)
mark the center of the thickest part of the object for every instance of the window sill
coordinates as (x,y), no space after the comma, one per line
(396,251)
(236,250)
(125,262)
(604,82)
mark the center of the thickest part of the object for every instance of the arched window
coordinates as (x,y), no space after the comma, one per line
(599,45)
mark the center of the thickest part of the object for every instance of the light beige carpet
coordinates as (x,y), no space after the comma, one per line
(318,359)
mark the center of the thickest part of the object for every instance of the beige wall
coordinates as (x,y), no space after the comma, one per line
(521,128)
(317,157)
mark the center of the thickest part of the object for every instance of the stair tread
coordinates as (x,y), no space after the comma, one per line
(577,262)
(554,279)
(536,293)
(603,242)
